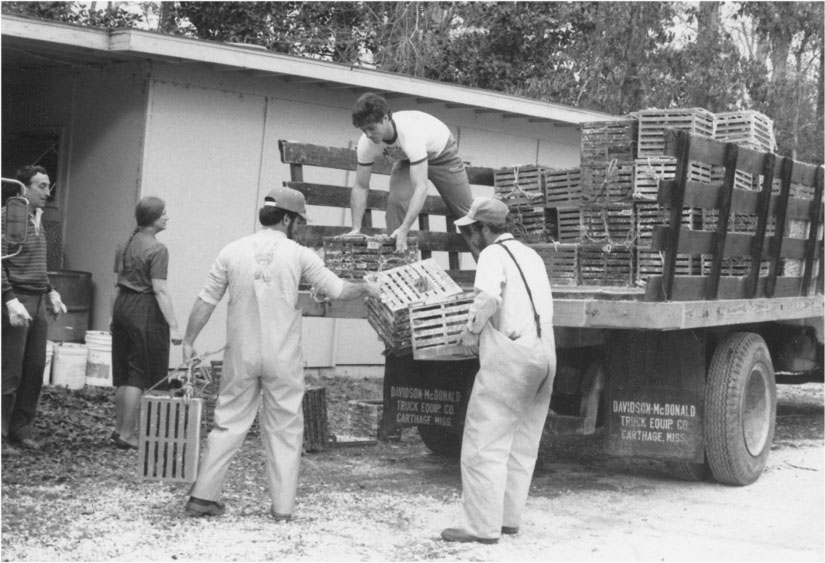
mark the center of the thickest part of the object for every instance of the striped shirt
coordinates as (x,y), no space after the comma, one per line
(25,272)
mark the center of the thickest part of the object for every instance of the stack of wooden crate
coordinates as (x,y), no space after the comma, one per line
(419,282)
(522,188)
(352,258)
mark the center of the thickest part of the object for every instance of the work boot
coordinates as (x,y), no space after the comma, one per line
(509,530)
(199,507)
(280,517)
(459,535)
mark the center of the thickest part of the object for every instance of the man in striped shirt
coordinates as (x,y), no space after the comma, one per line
(27,293)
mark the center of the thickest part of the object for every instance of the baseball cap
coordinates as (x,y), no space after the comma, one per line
(487,210)
(289,199)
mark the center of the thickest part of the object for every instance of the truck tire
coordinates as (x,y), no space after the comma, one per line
(440,441)
(740,409)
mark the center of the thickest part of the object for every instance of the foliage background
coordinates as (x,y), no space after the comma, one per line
(615,57)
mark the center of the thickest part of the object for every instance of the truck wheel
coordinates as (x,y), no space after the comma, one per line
(740,409)
(687,471)
(440,441)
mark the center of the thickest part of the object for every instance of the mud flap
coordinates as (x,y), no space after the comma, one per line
(655,392)
(426,393)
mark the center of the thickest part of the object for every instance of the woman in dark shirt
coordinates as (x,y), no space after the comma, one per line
(143,320)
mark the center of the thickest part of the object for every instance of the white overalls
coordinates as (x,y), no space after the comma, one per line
(263,356)
(511,394)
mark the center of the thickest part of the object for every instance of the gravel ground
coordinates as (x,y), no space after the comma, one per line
(81,500)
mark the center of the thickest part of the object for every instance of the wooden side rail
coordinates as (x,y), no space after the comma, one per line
(723,242)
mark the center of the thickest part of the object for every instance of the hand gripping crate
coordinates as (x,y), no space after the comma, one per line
(436,327)
(352,258)
(653,122)
(389,316)
(169,442)
(605,141)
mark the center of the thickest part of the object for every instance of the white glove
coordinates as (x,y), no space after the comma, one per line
(56,303)
(18,315)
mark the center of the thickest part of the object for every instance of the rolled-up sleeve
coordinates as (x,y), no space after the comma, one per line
(216,281)
(319,276)
(488,285)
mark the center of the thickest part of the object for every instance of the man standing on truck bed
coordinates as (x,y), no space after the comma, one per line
(510,324)
(428,151)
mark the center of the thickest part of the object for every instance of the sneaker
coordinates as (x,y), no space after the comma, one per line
(198,507)
(459,535)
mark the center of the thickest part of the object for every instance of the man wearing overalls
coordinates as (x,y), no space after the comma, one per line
(510,324)
(263,354)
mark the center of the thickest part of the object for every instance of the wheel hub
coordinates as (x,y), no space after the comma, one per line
(755,420)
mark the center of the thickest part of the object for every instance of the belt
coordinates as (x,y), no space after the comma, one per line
(22,291)
(125,289)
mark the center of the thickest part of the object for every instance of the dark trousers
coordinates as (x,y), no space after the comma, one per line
(24,358)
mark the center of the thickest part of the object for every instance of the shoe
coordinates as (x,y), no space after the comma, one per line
(114,436)
(124,445)
(9,450)
(509,530)
(459,535)
(28,443)
(280,517)
(198,507)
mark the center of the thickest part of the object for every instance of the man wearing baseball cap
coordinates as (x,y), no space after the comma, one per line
(262,359)
(510,325)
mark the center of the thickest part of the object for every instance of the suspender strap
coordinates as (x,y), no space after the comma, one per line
(536,316)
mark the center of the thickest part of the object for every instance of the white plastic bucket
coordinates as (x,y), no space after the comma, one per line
(99,360)
(69,365)
(47,369)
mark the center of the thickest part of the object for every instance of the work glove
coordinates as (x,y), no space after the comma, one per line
(18,315)
(57,306)
(469,340)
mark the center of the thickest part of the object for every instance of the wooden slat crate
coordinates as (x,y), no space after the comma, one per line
(530,223)
(169,441)
(653,122)
(563,188)
(414,283)
(647,172)
(604,141)
(749,129)
(436,327)
(569,225)
(607,183)
(651,263)
(603,267)
(520,182)
(314,406)
(614,225)
(561,262)
(352,258)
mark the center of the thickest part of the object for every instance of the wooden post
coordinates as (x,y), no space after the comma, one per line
(781,213)
(676,203)
(761,225)
(725,200)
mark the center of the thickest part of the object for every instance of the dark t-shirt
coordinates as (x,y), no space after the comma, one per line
(146,259)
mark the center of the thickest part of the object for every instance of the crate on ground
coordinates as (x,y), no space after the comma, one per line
(613,225)
(563,188)
(169,438)
(436,326)
(604,141)
(352,258)
(653,122)
(748,128)
(561,262)
(605,265)
(607,183)
(414,283)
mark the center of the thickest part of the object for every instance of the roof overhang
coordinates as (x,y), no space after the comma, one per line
(32,44)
